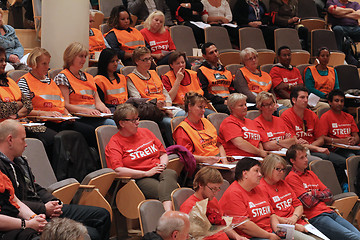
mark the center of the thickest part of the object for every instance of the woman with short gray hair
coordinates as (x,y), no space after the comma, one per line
(239,135)
(248,79)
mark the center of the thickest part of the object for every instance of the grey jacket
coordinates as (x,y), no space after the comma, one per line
(139,8)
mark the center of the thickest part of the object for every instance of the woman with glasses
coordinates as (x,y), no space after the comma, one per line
(136,152)
(248,79)
(286,205)
(79,88)
(123,38)
(111,86)
(240,136)
(274,127)
(207,183)
(146,83)
(245,198)
(197,134)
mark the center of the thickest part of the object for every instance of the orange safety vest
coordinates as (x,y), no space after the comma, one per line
(12,93)
(204,141)
(47,97)
(324,84)
(115,93)
(129,40)
(194,86)
(96,42)
(151,88)
(84,91)
(257,83)
(219,81)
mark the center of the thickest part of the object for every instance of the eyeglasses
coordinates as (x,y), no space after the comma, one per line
(132,120)
(214,189)
(146,59)
(251,58)
(268,105)
(280,169)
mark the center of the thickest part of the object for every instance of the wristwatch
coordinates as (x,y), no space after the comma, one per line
(23,224)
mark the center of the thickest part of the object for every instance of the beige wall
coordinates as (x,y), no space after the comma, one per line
(62,23)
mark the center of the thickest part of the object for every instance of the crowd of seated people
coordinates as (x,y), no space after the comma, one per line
(73,91)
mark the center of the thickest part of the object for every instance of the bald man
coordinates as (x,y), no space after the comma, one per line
(39,200)
(172,225)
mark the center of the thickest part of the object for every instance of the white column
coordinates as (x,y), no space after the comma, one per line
(62,23)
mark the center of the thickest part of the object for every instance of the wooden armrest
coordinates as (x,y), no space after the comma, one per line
(87,186)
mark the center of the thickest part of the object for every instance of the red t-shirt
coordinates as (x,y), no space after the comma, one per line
(233,127)
(236,201)
(158,41)
(275,129)
(306,128)
(140,151)
(337,125)
(281,74)
(282,198)
(187,206)
(306,182)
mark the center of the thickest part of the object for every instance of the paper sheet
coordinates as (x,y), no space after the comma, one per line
(347,146)
(315,231)
(351,96)
(229,25)
(221,165)
(281,152)
(241,157)
(200,24)
(313,100)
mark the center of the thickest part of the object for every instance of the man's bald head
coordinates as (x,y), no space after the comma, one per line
(9,127)
(173,224)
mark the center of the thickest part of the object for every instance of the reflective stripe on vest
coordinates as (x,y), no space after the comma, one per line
(52,97)
(115,91)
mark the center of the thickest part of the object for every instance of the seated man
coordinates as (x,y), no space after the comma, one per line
(314,194)
(343,16)
(172,225)
(15,215)
(284,76)
(207,183)
(303,123)
(216,81)
(338,126)
(12,145)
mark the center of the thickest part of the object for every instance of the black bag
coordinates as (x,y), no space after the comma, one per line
(149,111)
(350,50)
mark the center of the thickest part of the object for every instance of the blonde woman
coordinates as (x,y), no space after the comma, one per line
(78,88)
(158,37)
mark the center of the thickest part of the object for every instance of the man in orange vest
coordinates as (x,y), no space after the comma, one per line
(216,81)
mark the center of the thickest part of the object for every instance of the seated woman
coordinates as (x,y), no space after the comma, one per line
(145,83)
(244,198)
(79,88)
(15,215)
(47,99)
(281,196)
(13,48)
(207,183)
(97,41)
(254,14)
(158,38)
(321,79)
(283,14)
(123,38)
(196,133)
(111,86)
(217,12)
(249,80)
(240,136)
(178,81)
(136,152)
(274,127)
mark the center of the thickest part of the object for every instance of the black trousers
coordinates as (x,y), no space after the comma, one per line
(95,219)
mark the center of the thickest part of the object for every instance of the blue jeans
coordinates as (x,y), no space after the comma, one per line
(335,227)
(341,31)
(347,152)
